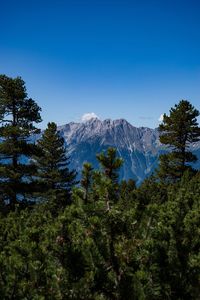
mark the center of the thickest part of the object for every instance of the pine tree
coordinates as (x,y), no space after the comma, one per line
(54,177)
(86,180)
(110,164)
(18,113)
(178,131)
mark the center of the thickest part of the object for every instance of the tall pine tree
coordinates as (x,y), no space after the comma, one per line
(110,164)
(18,113)
(54,177)
(178,131)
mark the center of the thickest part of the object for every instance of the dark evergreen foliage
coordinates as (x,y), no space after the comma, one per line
(18,113)
(55,180)
(86,181)
(178,130)
(110,164)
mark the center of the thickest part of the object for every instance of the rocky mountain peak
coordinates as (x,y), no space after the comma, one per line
(139,147)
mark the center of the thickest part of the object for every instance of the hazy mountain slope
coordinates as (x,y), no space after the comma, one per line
(139,147)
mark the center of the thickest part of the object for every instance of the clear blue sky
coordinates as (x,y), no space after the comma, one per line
(118,59)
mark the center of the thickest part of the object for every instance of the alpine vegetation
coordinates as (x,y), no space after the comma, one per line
(103,237)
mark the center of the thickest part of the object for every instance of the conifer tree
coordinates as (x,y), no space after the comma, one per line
(110,164)
(86,180)
(54,176)
(178,131)
(127,187)
(18,113)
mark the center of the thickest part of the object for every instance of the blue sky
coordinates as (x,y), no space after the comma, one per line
(118,59)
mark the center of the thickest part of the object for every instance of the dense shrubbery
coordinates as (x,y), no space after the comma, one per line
(102,239)
(136,249)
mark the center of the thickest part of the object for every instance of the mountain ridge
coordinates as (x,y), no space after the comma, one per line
(139,147)
(134,145)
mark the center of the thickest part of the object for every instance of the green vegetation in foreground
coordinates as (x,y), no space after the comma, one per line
(103,239)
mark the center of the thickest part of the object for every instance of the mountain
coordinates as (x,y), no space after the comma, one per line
(139,147)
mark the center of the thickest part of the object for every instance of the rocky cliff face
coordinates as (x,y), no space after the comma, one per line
(139,147)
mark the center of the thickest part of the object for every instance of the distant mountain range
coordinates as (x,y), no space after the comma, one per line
(139,147)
